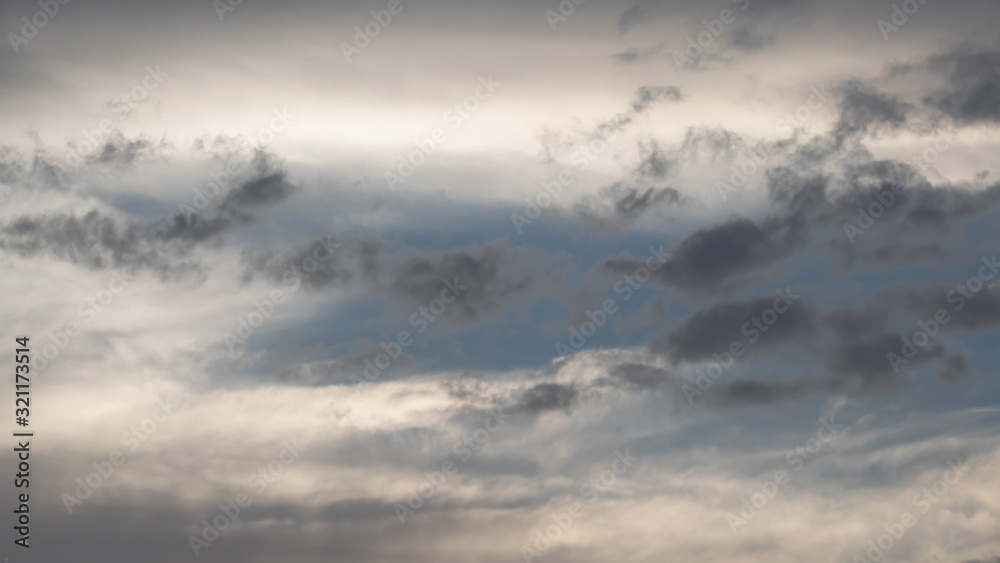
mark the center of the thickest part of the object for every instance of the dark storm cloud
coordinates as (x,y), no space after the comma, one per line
(711,330)
(972,94)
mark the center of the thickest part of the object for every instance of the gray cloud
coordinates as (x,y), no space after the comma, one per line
(100,240)
(864,110)
(752,393)
(748,39)
(639,376)
(95,240)
(646,96)
(495,277)
(332,269)
(972,94)
(711,257)
(620,205)
(545,397)
(118,150)
(711,330)
(636,54)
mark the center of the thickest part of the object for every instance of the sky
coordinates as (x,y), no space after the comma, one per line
(559,281)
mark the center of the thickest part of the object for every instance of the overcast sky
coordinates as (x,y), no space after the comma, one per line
(570,281)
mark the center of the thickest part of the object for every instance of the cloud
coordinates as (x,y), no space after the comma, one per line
(711,257)
(546,397)
(96,240)
(639,376)
(748,39)
(636,13)
(864,110)
(620,205)
(646,96)
(120,151)
(711,330)
(636,54)
(100,239)
(972,75)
